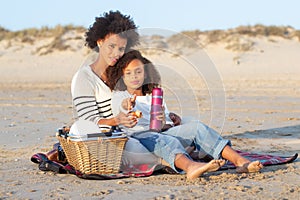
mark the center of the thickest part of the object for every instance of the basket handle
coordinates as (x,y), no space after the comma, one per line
(105,134)
(63,132)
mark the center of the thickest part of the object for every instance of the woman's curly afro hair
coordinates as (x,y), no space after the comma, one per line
(112,22)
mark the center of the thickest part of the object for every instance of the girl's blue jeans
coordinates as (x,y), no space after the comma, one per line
(174,141)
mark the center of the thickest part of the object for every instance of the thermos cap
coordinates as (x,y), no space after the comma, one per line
(157,92)
(157,96)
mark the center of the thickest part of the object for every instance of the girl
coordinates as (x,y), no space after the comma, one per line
(137,76)
(139,80)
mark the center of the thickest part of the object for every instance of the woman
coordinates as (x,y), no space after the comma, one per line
(133,78)
(110,36)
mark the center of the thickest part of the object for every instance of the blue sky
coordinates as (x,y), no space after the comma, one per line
(173,15)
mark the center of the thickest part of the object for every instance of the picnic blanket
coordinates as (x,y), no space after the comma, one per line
(265,159)
(46,164)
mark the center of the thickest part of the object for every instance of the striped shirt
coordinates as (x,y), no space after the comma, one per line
(91,96)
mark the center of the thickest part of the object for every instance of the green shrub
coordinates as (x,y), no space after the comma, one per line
(216,36)
(43,32)
(192,34)
(182,40)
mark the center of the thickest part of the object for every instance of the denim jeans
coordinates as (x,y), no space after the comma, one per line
(201,136)
(167,144)
(161,145)
(174,141)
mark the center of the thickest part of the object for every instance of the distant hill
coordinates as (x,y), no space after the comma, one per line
(71,38)
(54,54)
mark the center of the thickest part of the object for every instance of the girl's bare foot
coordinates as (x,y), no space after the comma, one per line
(243,165)
(250,167)
(197,168)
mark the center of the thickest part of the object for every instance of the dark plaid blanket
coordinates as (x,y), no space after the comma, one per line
(265,159)
(146,170)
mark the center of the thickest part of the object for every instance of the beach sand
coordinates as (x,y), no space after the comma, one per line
(261,115)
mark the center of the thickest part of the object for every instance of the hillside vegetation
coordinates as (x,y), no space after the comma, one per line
(62,38)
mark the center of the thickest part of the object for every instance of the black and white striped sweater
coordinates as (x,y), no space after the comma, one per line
(91,96)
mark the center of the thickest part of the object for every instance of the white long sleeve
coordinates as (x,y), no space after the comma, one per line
(142,103)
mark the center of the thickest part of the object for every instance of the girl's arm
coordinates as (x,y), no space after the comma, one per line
(122,102)
(119,102)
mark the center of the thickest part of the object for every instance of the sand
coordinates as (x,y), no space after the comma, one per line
(261,114)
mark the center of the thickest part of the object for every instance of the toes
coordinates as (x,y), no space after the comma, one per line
(222,162)
(250,167)
(214,165)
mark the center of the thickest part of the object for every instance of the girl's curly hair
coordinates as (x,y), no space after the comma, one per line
(112,22)
(115,73)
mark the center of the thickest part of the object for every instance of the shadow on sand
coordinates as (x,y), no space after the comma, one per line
(282,141)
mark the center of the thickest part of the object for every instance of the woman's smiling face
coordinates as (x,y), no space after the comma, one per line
(112,48)
(134,75)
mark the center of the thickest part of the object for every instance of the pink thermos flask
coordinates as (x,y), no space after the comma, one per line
(156,108)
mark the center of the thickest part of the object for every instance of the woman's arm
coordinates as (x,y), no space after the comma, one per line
(127,120)
(175,118)
(84,90)
(170,116)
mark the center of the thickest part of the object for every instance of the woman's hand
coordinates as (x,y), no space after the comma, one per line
(162,117)
(175,119)
(127,120)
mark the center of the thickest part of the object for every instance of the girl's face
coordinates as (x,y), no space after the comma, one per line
(134,75)
(112,48)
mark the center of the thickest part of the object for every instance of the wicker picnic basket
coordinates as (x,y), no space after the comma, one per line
(101,155)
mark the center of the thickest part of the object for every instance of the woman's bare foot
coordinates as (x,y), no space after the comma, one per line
(250,167)
(197,169)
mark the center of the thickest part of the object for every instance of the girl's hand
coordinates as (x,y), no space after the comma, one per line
(175,118)
(127,120)
(129,103)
